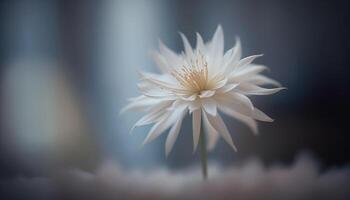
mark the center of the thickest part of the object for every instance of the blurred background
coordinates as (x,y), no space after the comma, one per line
(67,68)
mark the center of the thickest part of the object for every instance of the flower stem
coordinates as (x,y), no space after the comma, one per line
(203,149)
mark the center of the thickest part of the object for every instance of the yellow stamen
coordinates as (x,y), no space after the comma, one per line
(193,77)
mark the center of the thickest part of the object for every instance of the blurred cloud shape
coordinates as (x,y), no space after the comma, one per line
(252,180)
(44,118)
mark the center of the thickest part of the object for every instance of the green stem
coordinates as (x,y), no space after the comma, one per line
(203,146)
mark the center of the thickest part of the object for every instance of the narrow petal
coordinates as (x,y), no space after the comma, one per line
(163,124)
(265,91)
(247,72)
(200,44)
(233,56)
(220,126)
(251,89)
(169,55)
(161,83)
(259,115)
(160,61)
(251,123)
(196,123)
(207,93)
(209,106)
(218,41)
(190,98)
(216,50)
(157,130)
(178,104)
(247,60)
(234,99)
(172,136)
(194,105)
(212,134)
(228,56)
(228,87)
(237,51)
(220,83)
(263,80)
(241,98)
(187,46)
(140,104)
(153,116)
(148,119)
(226,105)
(154,92)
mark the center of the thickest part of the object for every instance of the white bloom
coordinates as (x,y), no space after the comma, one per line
(201,81)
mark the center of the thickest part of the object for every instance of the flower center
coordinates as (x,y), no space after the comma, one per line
(193,77)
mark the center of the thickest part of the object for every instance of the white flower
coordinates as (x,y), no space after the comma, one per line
(201,81)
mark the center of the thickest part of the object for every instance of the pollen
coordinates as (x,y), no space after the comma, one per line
(193,77)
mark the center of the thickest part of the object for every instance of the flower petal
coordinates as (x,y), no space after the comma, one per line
(233,56)
(178,104)
(251,123)
(220,126)
(228,56)
(228,104)
(200,47)
(237,51)
(163,124)
(154,92)
(216,50)
(220,83)
(247,60)
(196,123)
(194,105)
(245,73)
(160,61)
(161,82)
(190,98)
(212,134)
(241,98)
(251,89)
(158,129)
(255,114)
(149,118)
(153,116)
(207,93)
(172,136)
(218,42)
(209,106)
(187,46)
(142,103)
(228,87)
(263,80)
(259,115)
(169,55)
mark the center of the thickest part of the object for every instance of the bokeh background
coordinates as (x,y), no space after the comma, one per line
(67,68)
